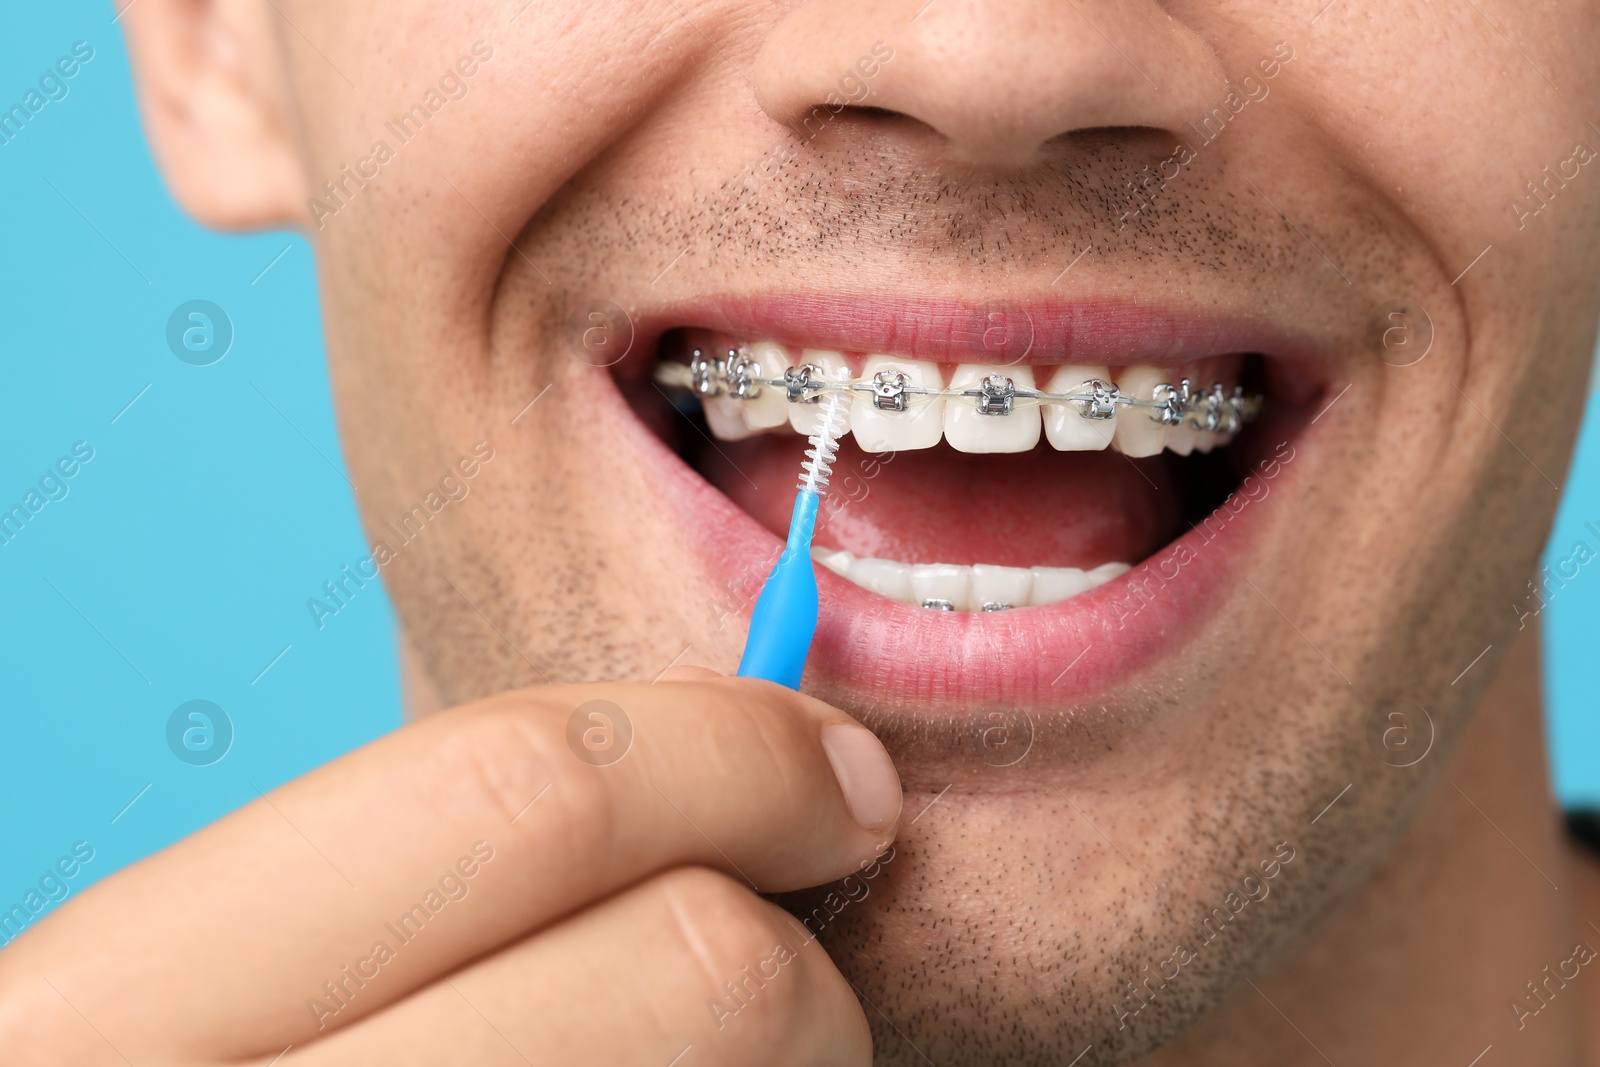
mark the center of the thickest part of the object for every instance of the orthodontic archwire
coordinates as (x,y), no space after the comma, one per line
(738,375)
(785,615)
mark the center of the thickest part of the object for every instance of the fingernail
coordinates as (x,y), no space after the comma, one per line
(866,774)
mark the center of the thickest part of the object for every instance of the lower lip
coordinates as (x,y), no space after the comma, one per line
(920,660)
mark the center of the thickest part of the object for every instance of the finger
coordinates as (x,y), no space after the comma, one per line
(688,967)
(465,831)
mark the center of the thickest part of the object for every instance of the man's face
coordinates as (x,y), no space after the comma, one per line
(1330,207)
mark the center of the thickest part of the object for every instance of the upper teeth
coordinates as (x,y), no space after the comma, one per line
(904,403)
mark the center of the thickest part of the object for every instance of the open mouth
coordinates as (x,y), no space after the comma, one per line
(1016,490)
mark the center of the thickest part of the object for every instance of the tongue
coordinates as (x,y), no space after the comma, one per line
(1033,509)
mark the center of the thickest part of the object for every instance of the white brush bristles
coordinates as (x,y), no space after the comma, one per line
(824,445)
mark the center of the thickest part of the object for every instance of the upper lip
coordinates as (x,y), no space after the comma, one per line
(1090,332)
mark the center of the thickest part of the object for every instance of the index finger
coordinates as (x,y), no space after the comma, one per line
(466,830)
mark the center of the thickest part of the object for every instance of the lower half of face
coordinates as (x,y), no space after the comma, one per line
(1182,467)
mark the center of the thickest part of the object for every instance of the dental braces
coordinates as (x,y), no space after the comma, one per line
(941,604)
(738,375)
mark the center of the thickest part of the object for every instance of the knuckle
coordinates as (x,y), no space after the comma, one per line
(766,736)
(773,994)
(501,758)
(721,919)
(755,980)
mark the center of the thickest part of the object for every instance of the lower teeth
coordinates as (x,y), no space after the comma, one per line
(953,587)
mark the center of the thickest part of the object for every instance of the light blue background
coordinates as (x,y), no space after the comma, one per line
(216,504)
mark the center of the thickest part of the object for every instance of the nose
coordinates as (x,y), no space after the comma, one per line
(994,80)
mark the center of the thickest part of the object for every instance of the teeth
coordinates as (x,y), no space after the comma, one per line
(966,588)
(734,418)
(1064,427)
(803,418)
(1138,434)
(1182,439)
(967,429)
(920,425)
(942,581)
(769,407)
(725,416)
(1051,584)
(978,411)
(837,562)
(884,577)
(1000,585)
(1107,571)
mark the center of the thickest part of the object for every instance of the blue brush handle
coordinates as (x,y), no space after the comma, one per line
(785,615)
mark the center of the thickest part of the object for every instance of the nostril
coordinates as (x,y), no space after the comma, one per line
(860,124)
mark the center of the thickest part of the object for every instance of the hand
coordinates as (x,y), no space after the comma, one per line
(468,890)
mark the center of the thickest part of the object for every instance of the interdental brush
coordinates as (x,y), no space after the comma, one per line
(785,616)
